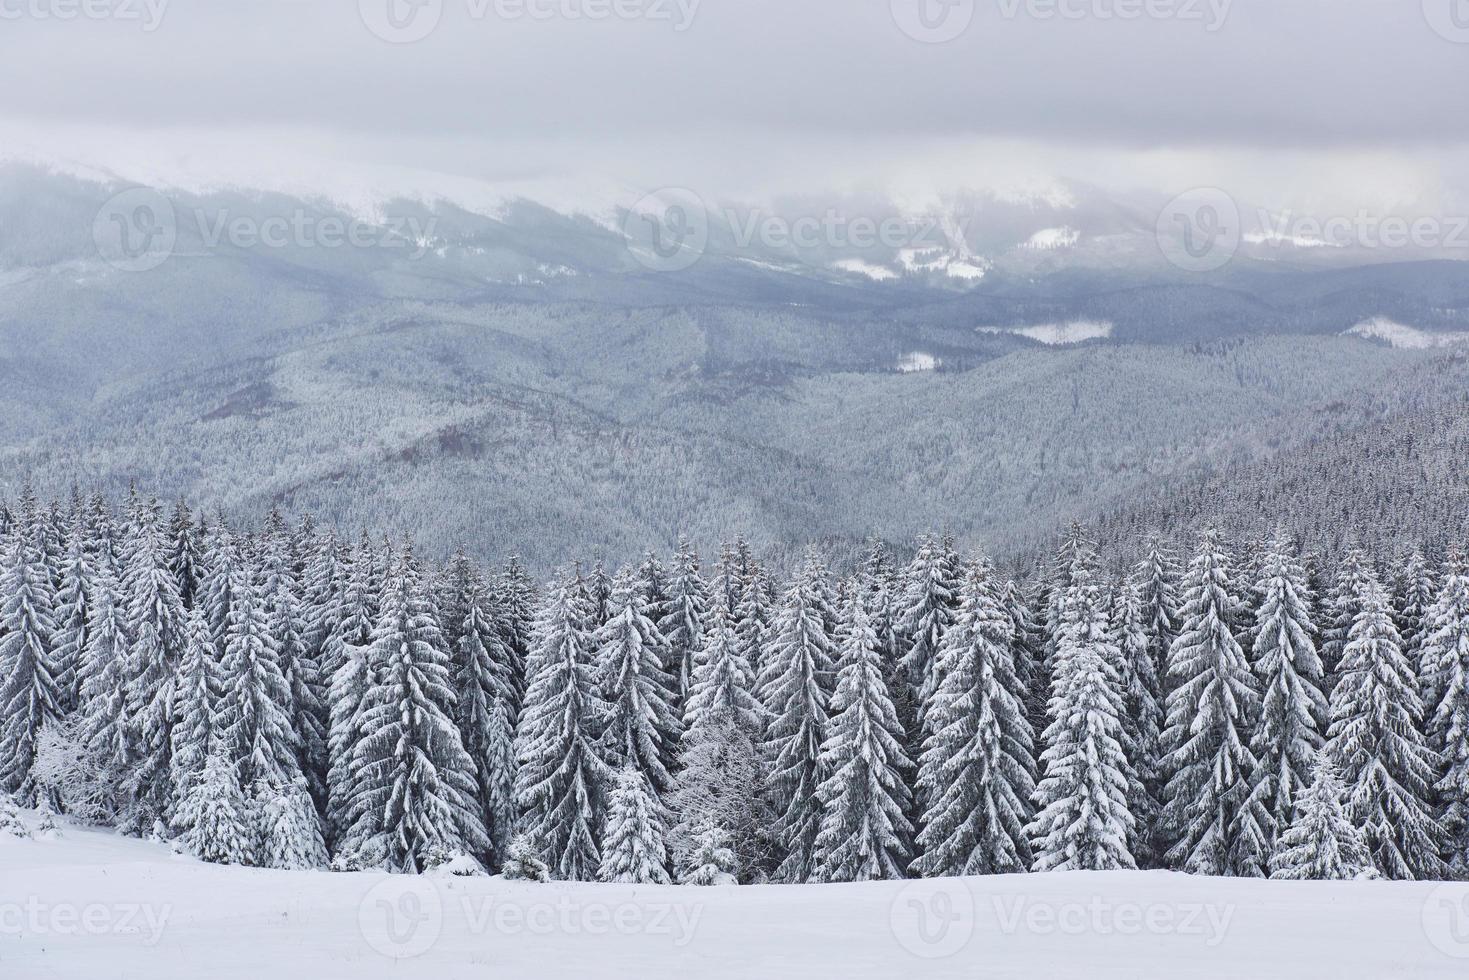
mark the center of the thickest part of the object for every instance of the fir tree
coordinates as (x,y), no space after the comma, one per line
(102,723)
(183,553)
(1210,714)
(29,696)
(522,862)
(927,610)
(1084,823)
(1343,606)
(977,771)
(485,685)
(416,783)
(712,861)
(155,628)
(1445,656)
(796,688)
(641,729)
(1157,579)
(561,776)
(215,817)
(720,773)
(865,834)
(289,829)
(633,847)
(1321,844)
(255,711)
(1293,710)
(72,611)
(196,697)
(683,623)
(1143,723)
(1375,741)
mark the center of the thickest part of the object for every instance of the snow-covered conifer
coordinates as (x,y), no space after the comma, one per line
(561,776)
(1376,743)
(1321,844)
(1083,822)
(29,696)
(1211,711)
(711,860)
(634,850)
(795,686)
(485,684)
(865,834)
(216,818)
(416,784)
(641,728)
(1445,656)
(976,775)
(687,609)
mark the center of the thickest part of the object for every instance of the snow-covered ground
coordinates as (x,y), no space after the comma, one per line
(94,906)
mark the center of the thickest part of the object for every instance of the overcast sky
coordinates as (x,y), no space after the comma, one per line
(1287,98)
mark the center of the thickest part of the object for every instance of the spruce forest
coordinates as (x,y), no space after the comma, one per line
(291,696)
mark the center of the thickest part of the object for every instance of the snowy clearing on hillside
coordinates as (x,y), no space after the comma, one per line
(94,906)
(1057,334)
(860,267)
(916,361)
(1404,337)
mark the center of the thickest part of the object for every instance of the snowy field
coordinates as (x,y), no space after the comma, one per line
(92,906)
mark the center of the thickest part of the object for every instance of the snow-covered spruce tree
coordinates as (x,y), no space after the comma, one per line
(346,692)
(754,618)
(288,828)
(1157,578)
(280,595)
(485,685)
(641,728)
(720,772)
(102,710)
(926,611)
(976,775)
(712,861)
(1211,711)
(865,834)
(322,583)
(561,776)
(197,694)
(1445,655)
(219,567)
(255,713)
(1083,822)
(1288,734)
(1321,844)
(634,850)
(795,687)
(416,785)
(11,825)
(1343,606)
(1414,591)
(214,816)
(877,586)
(1376,743)
(183,553)
(155,627)
(522,863)
(1142,723)
(1028,651)
(72,609)
(652,583)
(515,604)
(687,609)
(29,696)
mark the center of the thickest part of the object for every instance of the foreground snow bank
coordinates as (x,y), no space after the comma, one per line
(92,905)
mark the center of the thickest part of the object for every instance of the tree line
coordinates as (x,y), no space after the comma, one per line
(285,696)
